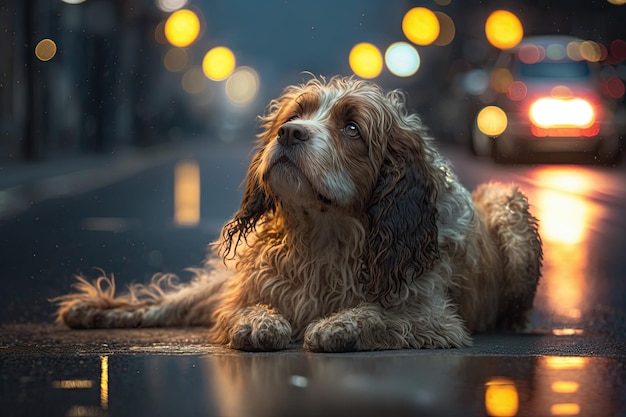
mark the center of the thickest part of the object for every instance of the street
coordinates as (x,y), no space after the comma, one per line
(132,225)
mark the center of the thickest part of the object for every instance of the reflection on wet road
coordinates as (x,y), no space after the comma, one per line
(572,363)
(566,221)
(300,384)
(577,214)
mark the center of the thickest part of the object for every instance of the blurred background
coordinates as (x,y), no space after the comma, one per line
(100,76)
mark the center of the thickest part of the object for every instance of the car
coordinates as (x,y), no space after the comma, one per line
(546,96)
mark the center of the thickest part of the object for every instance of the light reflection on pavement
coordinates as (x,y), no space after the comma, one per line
(294,383)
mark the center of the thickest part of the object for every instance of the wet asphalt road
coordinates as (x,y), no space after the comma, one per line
(573,362)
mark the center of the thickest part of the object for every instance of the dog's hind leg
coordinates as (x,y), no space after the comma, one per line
(515,230)
(160,303)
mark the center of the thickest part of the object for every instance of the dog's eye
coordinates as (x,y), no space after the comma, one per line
(351,130)
(292,118)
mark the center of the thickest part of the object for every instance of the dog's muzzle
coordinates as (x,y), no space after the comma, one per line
(292,133)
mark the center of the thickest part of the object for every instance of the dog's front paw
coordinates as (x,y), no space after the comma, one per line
(260,329)
(332,335)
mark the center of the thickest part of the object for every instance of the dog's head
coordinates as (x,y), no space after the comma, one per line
(343,144)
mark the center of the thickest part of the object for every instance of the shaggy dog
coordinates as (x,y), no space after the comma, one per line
(353,234)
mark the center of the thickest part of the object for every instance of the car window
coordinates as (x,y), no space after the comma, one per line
(565,69)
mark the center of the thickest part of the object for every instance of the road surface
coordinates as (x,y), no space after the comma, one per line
(122,215)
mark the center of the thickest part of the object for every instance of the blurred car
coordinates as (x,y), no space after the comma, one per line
(545,95)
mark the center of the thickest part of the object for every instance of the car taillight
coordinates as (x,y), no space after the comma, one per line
(549,112)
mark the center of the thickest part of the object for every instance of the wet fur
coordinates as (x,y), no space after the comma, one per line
(345,244)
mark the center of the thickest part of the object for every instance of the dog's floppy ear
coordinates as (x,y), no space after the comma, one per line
(402,241)
(255,203)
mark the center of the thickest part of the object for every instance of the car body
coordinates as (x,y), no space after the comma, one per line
(546,96)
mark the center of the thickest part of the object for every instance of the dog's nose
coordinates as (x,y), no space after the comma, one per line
(291,133)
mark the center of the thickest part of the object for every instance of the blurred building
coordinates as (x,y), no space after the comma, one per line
(106,83)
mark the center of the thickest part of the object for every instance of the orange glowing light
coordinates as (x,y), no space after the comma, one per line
(187,193)
(492,121)
(567,219)
(565,387)
(104,382)
(565,409)
(503,29)
(219,63)
(45,50)
(366,60)
(501,397)
(421,26)
(565,362)
(182,28)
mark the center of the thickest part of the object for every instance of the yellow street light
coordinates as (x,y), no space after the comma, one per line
(365,60)
(503,29)
(218,63)
(182,28)
(420,26)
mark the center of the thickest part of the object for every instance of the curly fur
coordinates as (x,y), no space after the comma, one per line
(353,234)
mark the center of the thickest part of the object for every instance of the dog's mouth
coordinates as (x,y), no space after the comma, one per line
(287,167)
(283,160)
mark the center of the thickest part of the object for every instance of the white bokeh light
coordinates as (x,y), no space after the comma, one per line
(171,5)
(242,86)
(402,59)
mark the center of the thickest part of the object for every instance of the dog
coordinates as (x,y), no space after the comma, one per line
(353,234)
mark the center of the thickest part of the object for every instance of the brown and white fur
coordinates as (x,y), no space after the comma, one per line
(353,234)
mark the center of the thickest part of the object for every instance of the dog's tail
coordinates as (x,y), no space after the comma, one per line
(509,220)
(163,302)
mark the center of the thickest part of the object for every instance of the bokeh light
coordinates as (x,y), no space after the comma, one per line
(476,82)
(590,51)
(501,79)
(573,51)
(617,2)
(176,59)
(159,33)
(365,60)
(531,54)
(503,29)
(74,1)
(402,59)
(45,50)
(492,121)
(517,91)
(182,28)
(550,112)
(219,63)
(242,86)
(618,49)
(556,52)
(447,30)
(501,397)
(194,81)
(614,87)
(421,26)
(171,5)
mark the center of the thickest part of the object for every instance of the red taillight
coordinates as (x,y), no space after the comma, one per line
(550,112)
